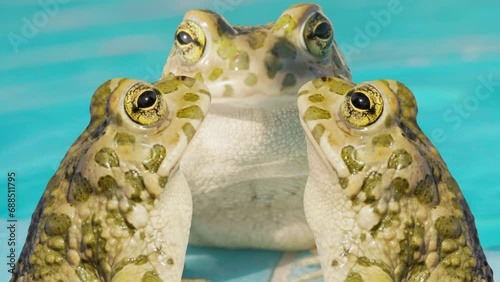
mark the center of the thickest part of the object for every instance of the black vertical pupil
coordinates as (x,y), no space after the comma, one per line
(146,99)
(360,101)
(323,30)
(184,38)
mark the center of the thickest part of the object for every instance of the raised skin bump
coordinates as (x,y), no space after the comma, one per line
(382,189)
(100,210)
(123,138)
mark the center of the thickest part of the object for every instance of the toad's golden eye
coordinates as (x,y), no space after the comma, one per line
(318,35)
(144,104)
(362,106)
(190,40)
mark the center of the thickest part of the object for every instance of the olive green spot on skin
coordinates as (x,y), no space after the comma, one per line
(167,86)
(139,260)
(350,157)
(158,153)
(452,186)
(199,76)
(256,39)
(284,50)
(227,47)
(150,276)
(316,98)
(315,113)
(318,83)
(354,277)
(192,112)
(162,181)
(135,180)
(303,92)
(188,130)
(362,237)
(448,227)
(251,79)
(449,246)
(366,262)
(286,23)
(216,72)
(334,263)
(399,187)
(228,91)
(288,81)
(389,121)
(187,81)
(118,120)
(123,138)
(107,158)
(203,91)
(413,242)
(343,181)
(318,131)
(191,97)
(57,224)
(239,61)
(369,184)
(399,159)
(170,261)
(426,190)
(272,63)
(382,140)
(418,273)
(80,188)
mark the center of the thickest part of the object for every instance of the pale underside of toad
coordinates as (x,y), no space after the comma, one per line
(379,199)
(117,209)
(247,166)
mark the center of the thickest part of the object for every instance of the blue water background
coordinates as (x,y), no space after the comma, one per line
(445,51)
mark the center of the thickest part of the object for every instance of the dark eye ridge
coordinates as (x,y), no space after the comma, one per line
(184,38)
(360,101)
(323,30)
(146,99)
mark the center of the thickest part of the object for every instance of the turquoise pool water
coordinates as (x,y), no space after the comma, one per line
(53,54)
